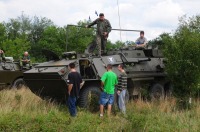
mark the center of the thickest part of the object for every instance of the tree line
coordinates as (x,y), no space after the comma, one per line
(34,34)
(181,48)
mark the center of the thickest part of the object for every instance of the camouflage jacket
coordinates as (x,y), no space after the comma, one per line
(2,55)
(102,26)
(25,57)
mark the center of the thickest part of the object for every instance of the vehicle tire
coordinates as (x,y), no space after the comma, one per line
(168,89)
(18,83)
(89,98)
(156,92)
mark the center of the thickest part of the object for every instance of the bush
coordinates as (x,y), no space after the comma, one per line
(182,51)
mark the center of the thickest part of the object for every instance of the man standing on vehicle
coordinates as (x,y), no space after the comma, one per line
(108,82)
(122,88)
(103,29)
(74,82)
(25,59)
(141,41)
(2,56)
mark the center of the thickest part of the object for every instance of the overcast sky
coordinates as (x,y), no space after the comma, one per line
(152,16)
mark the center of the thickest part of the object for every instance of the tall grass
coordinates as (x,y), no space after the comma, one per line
(21,110)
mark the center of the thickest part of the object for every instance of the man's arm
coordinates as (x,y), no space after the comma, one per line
(3,55)
(102,85)
(109,27)
(141,45)
(81,81)
(93,23)
(70,88)
(70,83)
(28,58)
(103,79)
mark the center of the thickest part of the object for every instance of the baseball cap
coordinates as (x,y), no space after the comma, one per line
(101,14)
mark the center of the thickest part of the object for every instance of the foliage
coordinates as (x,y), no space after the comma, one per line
(182,51)
(158,42)
(2,34)
(52,39)
(78,38)
(34,34)
(117,45)
(15,47)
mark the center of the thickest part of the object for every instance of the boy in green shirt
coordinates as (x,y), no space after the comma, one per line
(108,82)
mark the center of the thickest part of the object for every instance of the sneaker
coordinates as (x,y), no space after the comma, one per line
(100,115)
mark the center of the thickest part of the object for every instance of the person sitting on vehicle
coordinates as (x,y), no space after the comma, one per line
(2,56)
(141,42)
(25,59)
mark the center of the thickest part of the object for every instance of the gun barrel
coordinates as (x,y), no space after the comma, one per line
(112,28)
(143,59)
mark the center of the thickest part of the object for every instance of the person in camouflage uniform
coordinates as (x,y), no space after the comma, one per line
(25,59)
(2,56)
(103,29)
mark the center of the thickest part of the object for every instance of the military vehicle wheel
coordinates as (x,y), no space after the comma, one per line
(18,83)
(156,92)
(89,98)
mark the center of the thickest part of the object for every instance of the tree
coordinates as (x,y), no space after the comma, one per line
(117,45)
(78,38)
(182,51)
(15,48)
(2,34)
(53,38)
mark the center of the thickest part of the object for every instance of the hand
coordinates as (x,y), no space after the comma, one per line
(118,92)
(101,88)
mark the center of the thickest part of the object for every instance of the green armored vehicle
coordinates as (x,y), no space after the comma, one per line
(145,69)
(11,74)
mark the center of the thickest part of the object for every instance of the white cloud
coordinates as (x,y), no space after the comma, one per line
(154,17)
(164,13)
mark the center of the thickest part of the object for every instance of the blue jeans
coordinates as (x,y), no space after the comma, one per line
(106,98)
(71,102)
(121,101)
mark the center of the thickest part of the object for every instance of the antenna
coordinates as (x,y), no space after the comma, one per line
(119,20)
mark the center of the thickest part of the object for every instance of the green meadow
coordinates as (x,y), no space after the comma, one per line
(21,110)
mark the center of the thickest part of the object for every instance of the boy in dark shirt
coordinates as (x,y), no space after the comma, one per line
(74,81)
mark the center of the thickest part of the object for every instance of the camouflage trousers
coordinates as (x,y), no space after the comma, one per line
(101,44)
(21,63)
(2,59)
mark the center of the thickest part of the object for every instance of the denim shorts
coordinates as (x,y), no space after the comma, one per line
(106,98)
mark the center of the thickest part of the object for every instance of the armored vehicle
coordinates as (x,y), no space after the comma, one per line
(11,75)
(145,69)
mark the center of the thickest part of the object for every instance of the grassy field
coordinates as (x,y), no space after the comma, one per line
(20,110)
